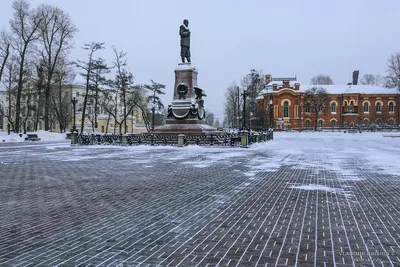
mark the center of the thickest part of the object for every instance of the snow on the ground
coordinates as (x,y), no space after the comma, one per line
(317,151)
(316,187)
(43,135)
(336,151)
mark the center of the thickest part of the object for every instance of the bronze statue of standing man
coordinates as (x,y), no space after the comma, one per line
(184,32)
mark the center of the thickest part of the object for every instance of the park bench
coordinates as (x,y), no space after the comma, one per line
(32,137)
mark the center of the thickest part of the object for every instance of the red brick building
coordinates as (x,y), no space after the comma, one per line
(281,105)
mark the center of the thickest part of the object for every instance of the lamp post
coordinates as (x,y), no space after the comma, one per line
(267,110)
(270,113)
(244,94)
(153,110)
(74,101)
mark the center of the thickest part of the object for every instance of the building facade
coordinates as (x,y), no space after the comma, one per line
(282,105)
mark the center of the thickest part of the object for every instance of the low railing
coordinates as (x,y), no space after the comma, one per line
(172,140)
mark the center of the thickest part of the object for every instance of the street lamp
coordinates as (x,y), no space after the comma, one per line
(270,113)
(244,94)
(74,101)
(153,110)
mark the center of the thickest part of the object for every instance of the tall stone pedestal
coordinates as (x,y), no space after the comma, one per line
(186,113)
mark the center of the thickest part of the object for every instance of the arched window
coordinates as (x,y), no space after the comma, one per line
(308,107)
(351,124)
(391,122)
(333,124)
(391,107)
(333,106)
(378,107)
(286,109)
(320,123)
(308,124)
(366,107)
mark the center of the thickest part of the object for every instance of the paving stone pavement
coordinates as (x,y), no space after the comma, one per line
(168,206)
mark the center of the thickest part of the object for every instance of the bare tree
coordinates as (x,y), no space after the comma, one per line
(28,106)
(63,75)
(216,123)
(154,100)
(56,31)
(254,82)
(87,73)
(40,84)
(4,51)
(122,82)
(136,98)
(10,82)
(210,118)
(318,99)
(321,79)
(24,28)
(371,79)
(232,105)
(393,71)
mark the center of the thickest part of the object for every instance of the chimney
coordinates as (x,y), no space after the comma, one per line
(268,78)
(355,77)
(297,86)
(286,84)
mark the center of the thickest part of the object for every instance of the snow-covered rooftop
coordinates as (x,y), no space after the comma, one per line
(336,89)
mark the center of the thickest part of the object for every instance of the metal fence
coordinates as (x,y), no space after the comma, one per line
(172,140)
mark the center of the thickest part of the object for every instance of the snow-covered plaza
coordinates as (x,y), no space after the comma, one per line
(305,199)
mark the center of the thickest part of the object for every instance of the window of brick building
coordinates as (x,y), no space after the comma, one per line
(320,123)
(286,109)
(366,107)
(308,124)
(333,107)
(333,124)
(378,107)
(308,108)
(391,107)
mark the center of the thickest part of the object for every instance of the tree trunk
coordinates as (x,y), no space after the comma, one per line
(108,122)
(316,121)
(4,60)
(19,90)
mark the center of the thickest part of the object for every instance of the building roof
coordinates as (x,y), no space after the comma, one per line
(284,79)
(336,89)
(354,89)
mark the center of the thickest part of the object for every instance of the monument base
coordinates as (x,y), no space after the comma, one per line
(186,113)
(186,129)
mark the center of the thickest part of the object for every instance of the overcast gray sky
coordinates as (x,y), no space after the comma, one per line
(230,37)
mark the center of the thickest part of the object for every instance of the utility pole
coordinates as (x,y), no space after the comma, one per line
(238,106)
